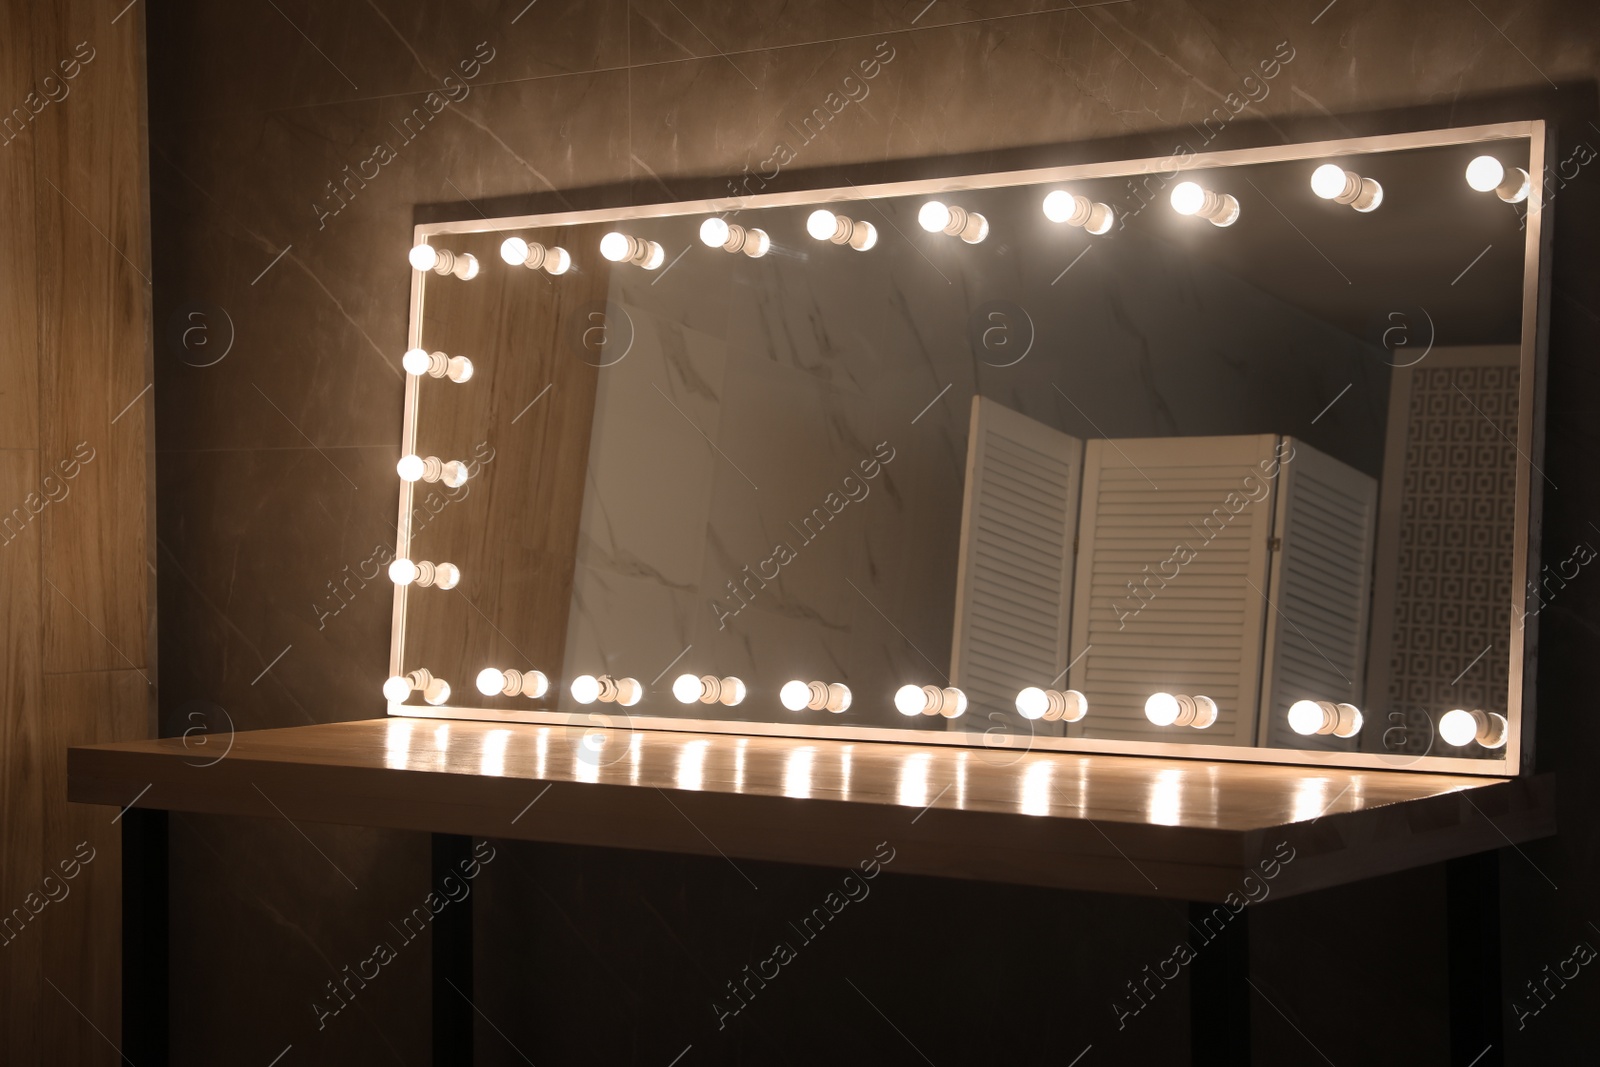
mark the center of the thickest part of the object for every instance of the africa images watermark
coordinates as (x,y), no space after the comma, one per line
(1142,194)
(52,890)
(1552,983)
(51,90)
(851,90)
(452,90)
(1253,490)
(55,490)
(811,526)
(454,890)
(1252,890)
(854,890)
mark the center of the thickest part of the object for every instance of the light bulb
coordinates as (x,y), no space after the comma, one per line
(415,361)
(1031,702)
(495,682)
(656,256)
(468,271)
(615,246)
(1328,180)
(453,473)
(909,700)
(1187,198)
(1162,708)
(824,225)
(732,692)
(794,695)
(436,692)
(410,468)
(1332,182)
(403,572)
(686,688)
(731,237)
(586,689)
(1075,210)
(930,700)
(424,257)
(397,689)
(1169,709)
(821,224)
(1485,173)
(419,361)
(937,217)
(490,680)
(1458,727)
(622,248)
(459,369)
(713,232)
(1305,717)
(557,261)
(629,692)
(514,250)
(446,575)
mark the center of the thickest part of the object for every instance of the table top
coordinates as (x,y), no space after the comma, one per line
(1184,829)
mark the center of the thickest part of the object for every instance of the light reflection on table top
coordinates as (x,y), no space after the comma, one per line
(1191,793)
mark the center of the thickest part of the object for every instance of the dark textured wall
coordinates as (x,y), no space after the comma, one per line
(275,476)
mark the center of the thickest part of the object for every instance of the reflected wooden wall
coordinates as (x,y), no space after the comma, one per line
(76,633)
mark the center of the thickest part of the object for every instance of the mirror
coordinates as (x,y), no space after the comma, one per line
(1228,455)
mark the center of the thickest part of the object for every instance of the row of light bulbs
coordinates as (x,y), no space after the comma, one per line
(1459,727)
(1329,181)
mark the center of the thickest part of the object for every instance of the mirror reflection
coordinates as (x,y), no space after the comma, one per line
(1222,456)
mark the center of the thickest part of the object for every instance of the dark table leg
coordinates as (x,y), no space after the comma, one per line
(1473,893)
(144,936)
(1219,987)
(452,953)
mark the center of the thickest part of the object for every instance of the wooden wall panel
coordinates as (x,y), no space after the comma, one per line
(21,757)
(94,314)
(74,652)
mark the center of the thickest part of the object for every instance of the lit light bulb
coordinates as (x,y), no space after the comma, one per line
(1169,709)
(1031,702)
(1052,704)
(1332,182)
(1187,197)
(514,250)
(463,265)
(824,225)
(533,255)
(1075,210)
(1219,209)
(623,248)
(1305,717)
(415,361)
(423,257)
(708,689)
(1461,727)
(930,700)
(819,696)
(731,237)
(713,232)
(1162,708)
(419,361)
(938,217)
(1485,173)
(586,689)
(434,690)
(452,472)
(933,216)
(410,468)
(686,688)
(441,575)
(495,682)
(1308,717)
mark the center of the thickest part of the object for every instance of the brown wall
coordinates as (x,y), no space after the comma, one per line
(77,647)
(277,474)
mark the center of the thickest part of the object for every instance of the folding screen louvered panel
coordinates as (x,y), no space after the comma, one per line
(1171,580)
(1320,591)
(1014,585)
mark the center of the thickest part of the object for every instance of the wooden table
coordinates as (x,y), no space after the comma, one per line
(1209,833)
